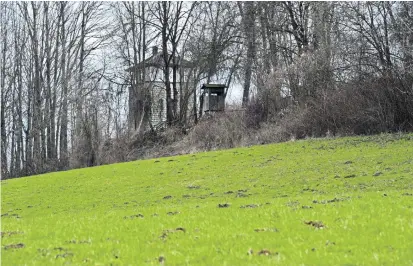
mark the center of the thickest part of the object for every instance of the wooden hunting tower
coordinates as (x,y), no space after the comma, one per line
(213,97)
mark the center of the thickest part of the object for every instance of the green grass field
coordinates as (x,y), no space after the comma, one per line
(346,201)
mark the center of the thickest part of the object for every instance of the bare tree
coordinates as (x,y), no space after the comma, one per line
(248,13)
(4,91)
(172,19)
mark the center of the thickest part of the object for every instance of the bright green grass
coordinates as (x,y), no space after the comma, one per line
(83,217)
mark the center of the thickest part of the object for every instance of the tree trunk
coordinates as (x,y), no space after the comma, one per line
(37,126)
(20,147)
(48,107)
(3,103)
(249,29)
(79,93)
(53,127)
(169,100)
(174,82)
(64,113)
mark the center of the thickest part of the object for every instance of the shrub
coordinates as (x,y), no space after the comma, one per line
(255,113)
(367,106)
(222,130)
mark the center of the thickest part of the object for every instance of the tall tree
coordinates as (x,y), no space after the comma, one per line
(63,141)
(248,13)
(4,92)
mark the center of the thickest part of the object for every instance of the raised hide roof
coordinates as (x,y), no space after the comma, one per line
(157,61)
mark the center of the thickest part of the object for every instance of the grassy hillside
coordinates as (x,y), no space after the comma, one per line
(347,201)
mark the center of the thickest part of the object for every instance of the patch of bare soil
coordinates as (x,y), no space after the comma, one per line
(330,201)
(134,216)
(251,206)
(14,246)
(166,232)
(74,241)
(350,176)
(4,234)
(316,224)
(266,230)
(263,252)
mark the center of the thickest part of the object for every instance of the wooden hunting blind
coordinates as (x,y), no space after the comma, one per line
(213,97)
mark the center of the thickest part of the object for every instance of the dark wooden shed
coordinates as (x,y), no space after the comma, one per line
(213,97)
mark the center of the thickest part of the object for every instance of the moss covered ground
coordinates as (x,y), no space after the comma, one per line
(344,201)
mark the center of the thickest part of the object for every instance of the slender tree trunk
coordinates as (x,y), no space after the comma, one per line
(37,90)
(249,24)
(53,127)
(28,131)
(136,96)
(145,86)
(194,105)
(18,47)
(174,82)
(48,107)
(169,100)
(79,97)
(20,147)
(3,103)
(13,133)
(64,113)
